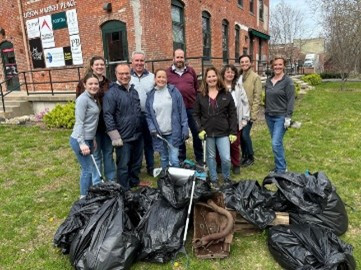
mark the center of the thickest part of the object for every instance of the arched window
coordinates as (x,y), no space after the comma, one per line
(178,25)
(237,31)
(251,6)
(225,41)
(115,45)
(206,30)
(260,7)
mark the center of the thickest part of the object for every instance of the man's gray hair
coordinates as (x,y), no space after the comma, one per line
(138,52)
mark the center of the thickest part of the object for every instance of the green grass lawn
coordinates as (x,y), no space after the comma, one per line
(39,179)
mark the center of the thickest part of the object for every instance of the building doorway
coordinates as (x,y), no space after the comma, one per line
(115,45)
(11,75)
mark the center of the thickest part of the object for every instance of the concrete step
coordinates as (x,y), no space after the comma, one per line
(18,108)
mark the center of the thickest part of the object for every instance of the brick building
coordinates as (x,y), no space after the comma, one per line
(52,38)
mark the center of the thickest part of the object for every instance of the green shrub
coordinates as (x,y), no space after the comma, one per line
(297,89)
(312,79)
(331,75)
(62,116)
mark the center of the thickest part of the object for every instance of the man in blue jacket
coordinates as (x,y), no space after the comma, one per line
(122,116)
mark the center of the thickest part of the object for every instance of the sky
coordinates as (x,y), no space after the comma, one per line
(311,22)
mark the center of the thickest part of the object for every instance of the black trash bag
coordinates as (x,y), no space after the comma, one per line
(333,217)
(308,192)
(81,211)
(306,247)
(248,199)
(114,243)
(161,232)
(84,236)
(138,202)
(177,190)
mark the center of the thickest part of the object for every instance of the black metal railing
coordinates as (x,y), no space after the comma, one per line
(36,81)
(8,91)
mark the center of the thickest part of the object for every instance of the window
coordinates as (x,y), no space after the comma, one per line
(240,3)
(178,25)
(251,6)
(237,43)
(260,7)
(225,41)
(206,29)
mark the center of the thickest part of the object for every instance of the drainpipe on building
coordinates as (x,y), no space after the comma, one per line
(25,41)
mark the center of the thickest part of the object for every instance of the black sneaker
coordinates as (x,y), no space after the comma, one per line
(248,162)
(236,170)
(227,181)
(214,185)
(150,171)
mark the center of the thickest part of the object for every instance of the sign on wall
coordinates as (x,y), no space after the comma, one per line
(72,21)
(76,50)
(36,52)
(54,57)
(68,56)
(46,30)
(32,28)
(59,20)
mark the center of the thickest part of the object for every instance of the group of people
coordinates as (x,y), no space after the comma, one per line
(142,112)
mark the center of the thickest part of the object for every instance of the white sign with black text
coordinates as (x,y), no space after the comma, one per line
(46,30)
(32,27)
(72,21)
(54,57)
(76,50)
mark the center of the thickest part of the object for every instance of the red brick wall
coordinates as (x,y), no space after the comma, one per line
(156,30)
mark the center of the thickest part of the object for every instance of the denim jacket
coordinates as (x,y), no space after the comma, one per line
(179,118)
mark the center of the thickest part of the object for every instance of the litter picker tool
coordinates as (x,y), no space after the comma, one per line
(96,166)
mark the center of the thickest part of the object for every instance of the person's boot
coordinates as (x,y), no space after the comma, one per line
(244,158)
(236,170)
(249,161)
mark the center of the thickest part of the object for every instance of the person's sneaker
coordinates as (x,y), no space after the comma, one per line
(248,162)
(214,185)
(227,181)
(236,170)
(274,171)
(82,197)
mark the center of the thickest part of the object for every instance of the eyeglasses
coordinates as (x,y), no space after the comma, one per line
(123,74)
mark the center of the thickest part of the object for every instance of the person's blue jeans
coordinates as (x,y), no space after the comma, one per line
(129,163)
(197,143)
(169,155)
(103,155)
(222,144)
(148,144)
(246,141)
(276,128)
(86,164)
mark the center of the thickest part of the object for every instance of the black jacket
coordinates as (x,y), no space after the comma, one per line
(121,109)
(219,121)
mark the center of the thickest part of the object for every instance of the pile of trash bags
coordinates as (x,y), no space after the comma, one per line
(111,229)
(317,217)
